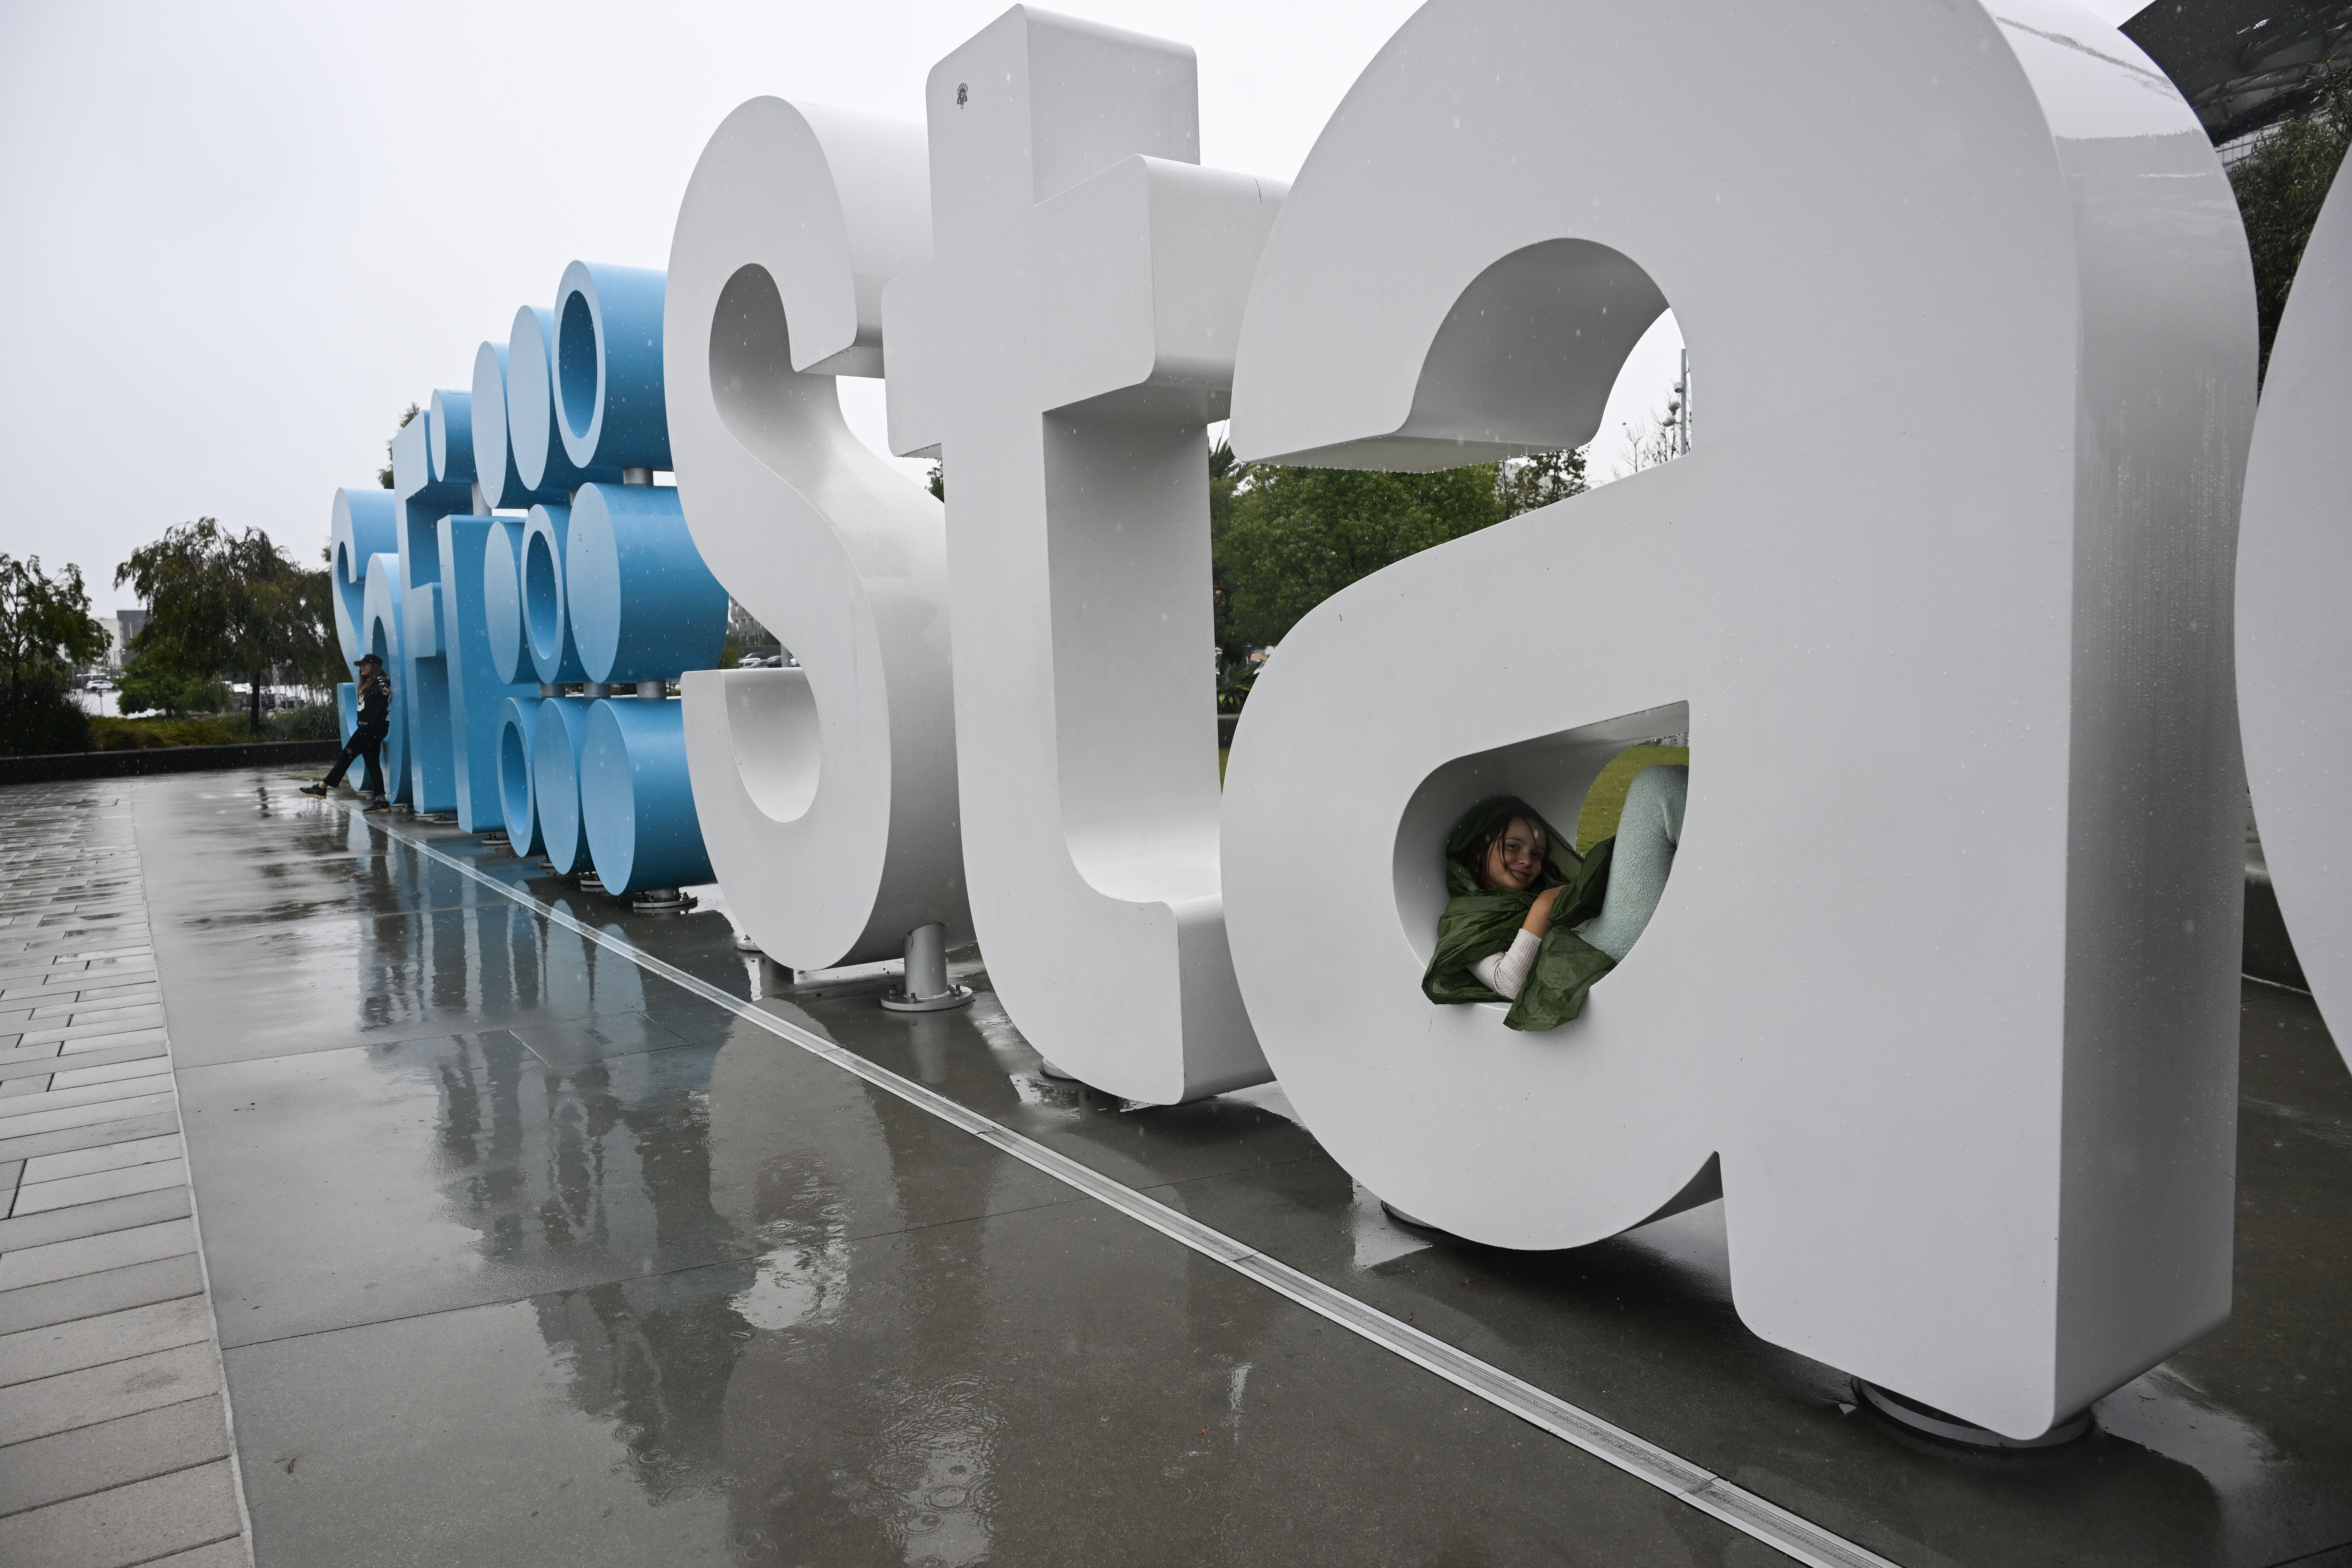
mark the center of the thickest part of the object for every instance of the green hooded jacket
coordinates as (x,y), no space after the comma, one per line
(1479,921)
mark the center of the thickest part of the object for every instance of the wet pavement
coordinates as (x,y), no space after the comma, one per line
(114,1438)
(522,1253)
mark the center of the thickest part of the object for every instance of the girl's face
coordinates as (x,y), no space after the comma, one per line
(1514,861)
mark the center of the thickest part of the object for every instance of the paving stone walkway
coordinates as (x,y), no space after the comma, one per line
(114,1434)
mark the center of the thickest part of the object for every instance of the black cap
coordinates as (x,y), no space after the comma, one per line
(370,659)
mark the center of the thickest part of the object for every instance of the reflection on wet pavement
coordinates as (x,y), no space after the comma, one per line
(523,1255)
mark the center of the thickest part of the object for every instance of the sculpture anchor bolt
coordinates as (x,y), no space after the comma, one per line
(926,988)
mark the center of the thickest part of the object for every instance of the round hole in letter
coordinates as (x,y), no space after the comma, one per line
(751,380)
(777,751)
(1551,773)
(773,714)
(1526,357)
(576,370)
(542,608)
(514,778)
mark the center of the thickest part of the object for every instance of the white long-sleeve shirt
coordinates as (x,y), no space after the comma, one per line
(1503,972)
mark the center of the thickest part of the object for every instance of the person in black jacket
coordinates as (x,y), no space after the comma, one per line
(367,736)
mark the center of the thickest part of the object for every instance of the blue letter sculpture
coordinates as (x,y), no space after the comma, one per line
(486,619)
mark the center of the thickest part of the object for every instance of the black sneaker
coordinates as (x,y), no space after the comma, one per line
(379,804)
(316,789)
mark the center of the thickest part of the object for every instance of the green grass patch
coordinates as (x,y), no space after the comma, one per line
(1604,803)
(109,734)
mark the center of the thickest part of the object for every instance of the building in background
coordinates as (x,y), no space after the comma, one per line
(754,644)
(123,627)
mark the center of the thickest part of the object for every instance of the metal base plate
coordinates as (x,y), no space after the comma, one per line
(1056,1074)
(847,980)
(899,1002)
(645,904)
(1913,1416)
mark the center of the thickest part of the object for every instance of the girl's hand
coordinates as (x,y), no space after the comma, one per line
(1539,921)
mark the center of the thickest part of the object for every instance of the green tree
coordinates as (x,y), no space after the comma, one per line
(1523,484)
(45,622)
(384,475)
(224,603)
(144,685)
(1284,540)
(46,630)
(2281,183)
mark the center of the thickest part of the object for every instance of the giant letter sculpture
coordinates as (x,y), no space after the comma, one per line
(476,683)
(642,607)
(534,441)
(1947,974)
(828,792)
(2294,643)
(1065,350)
(359,528)
(469,606)
(421,499)
(380,634)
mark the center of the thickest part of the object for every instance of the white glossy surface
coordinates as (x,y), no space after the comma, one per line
(1065,351)
(827,794)
(1946,971)
(2295,638)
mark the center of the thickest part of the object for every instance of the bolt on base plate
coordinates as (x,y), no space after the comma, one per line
(899,1002)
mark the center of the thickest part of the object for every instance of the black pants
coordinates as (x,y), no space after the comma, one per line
(367,744)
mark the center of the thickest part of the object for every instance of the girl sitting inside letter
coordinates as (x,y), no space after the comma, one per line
(1531,922)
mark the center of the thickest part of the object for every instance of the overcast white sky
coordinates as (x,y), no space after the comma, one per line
(236,239)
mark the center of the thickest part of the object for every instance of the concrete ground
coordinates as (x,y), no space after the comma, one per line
(114,1440)
(567,1235)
